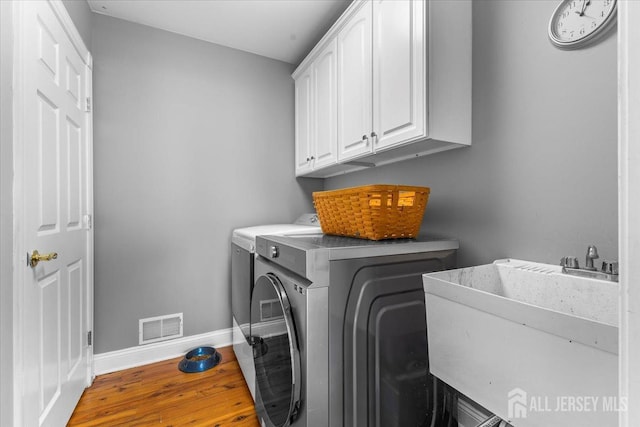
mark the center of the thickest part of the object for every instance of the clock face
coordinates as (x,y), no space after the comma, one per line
(576,23)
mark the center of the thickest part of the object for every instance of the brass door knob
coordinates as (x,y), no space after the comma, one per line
(36,257)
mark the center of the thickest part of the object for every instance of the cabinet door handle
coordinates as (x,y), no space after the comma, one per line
(365,138)
(308,159)
(374,136)
(313,158)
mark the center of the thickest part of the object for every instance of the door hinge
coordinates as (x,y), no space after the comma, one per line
(88,105)
(89,338)
(88,221)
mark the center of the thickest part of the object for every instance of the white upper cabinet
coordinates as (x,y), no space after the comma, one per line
(399,72)
(316,116)
(381,77)
(354,85)
(303,123)
(325,69)
(402,86)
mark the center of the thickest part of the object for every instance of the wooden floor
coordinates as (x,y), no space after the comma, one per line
(160,394)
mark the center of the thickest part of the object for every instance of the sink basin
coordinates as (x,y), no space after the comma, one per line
(533,345)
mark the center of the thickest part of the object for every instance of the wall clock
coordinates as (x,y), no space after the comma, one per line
(578,23)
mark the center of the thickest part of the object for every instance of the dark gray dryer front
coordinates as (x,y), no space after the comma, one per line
(340,330)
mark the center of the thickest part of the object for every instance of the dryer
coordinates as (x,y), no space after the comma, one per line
(339,331)
(243,253)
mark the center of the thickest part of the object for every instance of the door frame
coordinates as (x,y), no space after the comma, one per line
(19,156)
(629,209)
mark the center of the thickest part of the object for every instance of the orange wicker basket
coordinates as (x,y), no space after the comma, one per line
(373,212)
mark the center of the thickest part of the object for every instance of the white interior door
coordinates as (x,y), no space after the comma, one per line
(53,125)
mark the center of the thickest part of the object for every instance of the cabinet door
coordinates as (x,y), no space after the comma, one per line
(303,122)
(354,85)
(325,112)
(399,72)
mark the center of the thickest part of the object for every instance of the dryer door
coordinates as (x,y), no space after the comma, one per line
(275,353)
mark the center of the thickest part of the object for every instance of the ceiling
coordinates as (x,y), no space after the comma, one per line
(280,29)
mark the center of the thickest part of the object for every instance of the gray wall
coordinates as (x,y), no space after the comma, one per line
(540,179)
(81,16)
(6,213)
(191,140)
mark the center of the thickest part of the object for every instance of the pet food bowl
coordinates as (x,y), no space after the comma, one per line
(199,359)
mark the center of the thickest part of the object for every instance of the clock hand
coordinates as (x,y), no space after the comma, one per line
(585,3)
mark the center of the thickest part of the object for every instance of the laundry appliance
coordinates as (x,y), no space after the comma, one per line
(339,330)
(243,253)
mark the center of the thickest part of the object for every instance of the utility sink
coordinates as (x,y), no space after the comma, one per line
(531,344)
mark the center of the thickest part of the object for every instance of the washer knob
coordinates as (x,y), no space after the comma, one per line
(273,252)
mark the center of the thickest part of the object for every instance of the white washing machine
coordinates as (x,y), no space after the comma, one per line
(243,254)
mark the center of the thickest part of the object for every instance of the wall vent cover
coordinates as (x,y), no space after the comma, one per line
(160,328)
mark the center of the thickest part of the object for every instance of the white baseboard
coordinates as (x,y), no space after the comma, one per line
(132,357)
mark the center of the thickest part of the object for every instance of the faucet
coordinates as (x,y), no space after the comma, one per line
(609,268)
(592,253)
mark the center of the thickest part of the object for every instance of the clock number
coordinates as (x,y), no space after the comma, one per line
(593,24)
(582,31)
